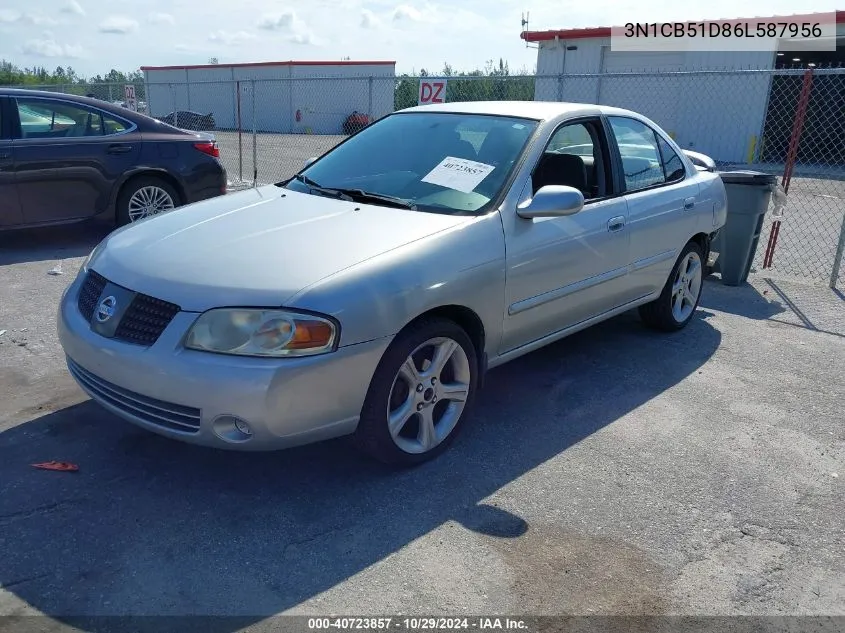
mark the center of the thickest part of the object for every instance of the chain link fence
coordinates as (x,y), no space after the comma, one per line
(786,121)
(114,93)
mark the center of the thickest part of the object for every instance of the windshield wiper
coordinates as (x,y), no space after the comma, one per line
(368,196)
(312,184)
(355,194)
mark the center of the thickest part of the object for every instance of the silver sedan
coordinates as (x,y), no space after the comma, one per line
(368,294)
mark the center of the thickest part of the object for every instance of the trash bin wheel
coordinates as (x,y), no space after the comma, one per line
(678,301)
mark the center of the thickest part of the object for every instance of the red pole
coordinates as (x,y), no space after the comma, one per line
(240,141)
(791,155)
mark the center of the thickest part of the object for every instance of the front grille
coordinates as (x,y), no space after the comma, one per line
(174,417)
(90,292)
(145,320)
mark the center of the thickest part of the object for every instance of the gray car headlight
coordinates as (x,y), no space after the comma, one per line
(256,332)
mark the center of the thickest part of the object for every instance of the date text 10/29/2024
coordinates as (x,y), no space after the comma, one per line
(416,624)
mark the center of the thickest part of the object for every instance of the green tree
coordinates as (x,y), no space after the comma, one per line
(13,75)
(494,82)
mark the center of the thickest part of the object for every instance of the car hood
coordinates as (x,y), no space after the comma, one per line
(258,247)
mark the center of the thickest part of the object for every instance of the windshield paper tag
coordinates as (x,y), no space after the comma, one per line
(459,174)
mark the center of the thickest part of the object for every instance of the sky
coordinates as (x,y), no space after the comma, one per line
(94,36)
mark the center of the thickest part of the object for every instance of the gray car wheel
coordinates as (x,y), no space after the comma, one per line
(420,394)
(676,305)
(144,197)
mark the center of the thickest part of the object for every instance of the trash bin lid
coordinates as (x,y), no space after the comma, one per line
(747,177)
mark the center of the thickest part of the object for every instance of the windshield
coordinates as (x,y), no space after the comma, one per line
(448,163)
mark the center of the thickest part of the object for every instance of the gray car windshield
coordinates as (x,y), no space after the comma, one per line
(440,162)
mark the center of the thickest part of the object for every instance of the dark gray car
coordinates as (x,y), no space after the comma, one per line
(65,158)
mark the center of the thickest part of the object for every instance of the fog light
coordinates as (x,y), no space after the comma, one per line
(232,428)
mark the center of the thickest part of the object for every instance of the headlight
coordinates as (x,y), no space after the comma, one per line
(251,332)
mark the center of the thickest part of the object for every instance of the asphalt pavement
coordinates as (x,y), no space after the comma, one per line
(618,471)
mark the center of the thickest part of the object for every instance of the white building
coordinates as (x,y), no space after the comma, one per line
(285,97)
(728,115)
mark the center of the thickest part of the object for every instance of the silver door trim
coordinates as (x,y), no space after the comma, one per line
(572,329)
(654,259)
(558,293)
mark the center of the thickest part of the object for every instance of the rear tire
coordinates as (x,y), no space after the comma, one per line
(150,193)
(420,394)
(678,301)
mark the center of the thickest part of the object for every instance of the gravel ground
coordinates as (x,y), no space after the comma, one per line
(615,472)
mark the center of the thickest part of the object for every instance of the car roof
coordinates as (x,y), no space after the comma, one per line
(539,110)
(27,92)
(93,102)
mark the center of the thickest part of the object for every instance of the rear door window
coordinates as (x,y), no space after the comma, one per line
(640,153)
(47,118)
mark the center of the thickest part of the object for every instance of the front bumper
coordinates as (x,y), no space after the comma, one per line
(197,396)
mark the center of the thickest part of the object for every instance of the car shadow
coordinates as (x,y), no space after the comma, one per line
(51,242)
(150,526)
(743,300)
(809,307)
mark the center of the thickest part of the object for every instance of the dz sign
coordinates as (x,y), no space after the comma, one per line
(432,91)
(129,97)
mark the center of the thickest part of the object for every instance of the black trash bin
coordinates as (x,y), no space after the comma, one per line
(749,194)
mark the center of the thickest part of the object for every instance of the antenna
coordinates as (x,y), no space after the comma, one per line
(524,25)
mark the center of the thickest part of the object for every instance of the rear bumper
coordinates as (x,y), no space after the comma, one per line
(210,184)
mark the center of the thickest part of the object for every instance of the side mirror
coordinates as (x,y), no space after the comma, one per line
(310,160)
(552,201)
(701,161)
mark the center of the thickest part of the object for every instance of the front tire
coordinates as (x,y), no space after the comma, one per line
(419,395)
(678,301)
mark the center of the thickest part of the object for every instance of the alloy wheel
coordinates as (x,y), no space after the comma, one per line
(686,287)
(147,201)
(428,395)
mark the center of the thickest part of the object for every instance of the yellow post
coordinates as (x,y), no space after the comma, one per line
(752,147)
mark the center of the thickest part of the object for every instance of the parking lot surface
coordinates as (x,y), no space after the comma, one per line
(618,471)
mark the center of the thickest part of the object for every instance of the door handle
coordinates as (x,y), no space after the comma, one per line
(616,224)
(119,149)
(689,203)
(5,155)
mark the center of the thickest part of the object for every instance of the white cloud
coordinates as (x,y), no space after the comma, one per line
(278,21)
(405,12)
(161,19)
(230,38)
(37,19)
(49,47)
(117,24)
(290,22)
(72,7)
(369,20)
(303,38)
